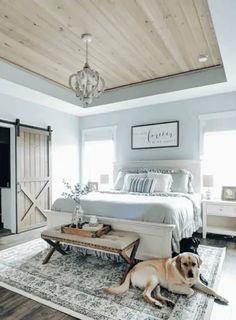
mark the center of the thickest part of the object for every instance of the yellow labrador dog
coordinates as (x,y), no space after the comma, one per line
(177,274)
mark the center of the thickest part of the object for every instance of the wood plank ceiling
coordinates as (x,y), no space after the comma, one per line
(134,40)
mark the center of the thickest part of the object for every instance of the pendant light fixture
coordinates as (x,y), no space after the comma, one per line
(87,83)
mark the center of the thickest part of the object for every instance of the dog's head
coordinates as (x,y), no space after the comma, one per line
(188,265)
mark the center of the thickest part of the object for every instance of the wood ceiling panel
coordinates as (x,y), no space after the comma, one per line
(134,40)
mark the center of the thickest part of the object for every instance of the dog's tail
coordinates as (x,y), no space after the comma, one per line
(122,288)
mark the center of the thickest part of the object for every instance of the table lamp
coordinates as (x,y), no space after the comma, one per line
(104,178)
(208,181)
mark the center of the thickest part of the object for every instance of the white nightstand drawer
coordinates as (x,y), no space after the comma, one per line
(224,210)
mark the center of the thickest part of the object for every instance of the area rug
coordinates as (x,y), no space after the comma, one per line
(73,284)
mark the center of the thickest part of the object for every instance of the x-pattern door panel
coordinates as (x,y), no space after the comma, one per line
(33,178)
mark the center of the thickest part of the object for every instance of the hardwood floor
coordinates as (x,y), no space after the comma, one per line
(15,239)
(5,232)
(16,307)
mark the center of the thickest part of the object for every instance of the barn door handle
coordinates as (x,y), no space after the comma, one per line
(18,187)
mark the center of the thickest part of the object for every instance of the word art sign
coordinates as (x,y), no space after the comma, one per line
(156,135)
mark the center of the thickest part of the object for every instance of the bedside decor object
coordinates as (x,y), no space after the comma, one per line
(89,227)
(208,182)
(104,178)
(74,193)
(93,221)
(92,186)
(86,230)
(77,217)
(155,135)
(228,193)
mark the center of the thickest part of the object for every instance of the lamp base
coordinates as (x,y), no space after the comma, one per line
(208,194)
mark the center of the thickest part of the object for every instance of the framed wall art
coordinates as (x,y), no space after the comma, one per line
(155,135)
(92,186)
(228,193)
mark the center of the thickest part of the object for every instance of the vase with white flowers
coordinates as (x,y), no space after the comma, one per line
(75,192)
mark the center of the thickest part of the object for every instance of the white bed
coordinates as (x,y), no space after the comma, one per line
(150,216)
(182,210)
(177,209)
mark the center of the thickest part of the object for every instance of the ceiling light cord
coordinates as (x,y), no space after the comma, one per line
(87,52)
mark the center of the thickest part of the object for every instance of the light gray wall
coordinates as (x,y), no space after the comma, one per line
(65,136)
(186,112)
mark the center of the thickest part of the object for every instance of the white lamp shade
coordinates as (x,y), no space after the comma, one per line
(208,180)
(104,178)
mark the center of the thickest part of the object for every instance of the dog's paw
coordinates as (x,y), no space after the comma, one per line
(170,303)
(221,300)
(191,292)
(158,304)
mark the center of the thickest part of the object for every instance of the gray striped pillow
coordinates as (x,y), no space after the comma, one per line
(142,185)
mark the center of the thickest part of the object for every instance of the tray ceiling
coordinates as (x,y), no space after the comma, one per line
(133,41)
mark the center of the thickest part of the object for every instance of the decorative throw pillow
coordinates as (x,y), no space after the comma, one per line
(163,181)
(142,185)
(182,178)
(118,185)
(180,182)
(129,177)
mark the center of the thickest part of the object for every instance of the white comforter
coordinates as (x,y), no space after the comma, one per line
(183,210)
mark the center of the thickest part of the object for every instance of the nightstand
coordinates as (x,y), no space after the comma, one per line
(219,217)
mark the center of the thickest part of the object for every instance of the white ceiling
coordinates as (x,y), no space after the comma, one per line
(134,40)
(27,86)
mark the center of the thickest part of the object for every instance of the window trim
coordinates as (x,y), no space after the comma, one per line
(94,130)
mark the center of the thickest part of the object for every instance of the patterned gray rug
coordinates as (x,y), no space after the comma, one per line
(73,284)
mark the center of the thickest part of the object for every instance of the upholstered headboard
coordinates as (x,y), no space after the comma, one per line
(191,165)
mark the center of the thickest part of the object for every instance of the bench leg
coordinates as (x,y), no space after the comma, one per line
(133,253)
(130,260)
(48,256)
(55,246)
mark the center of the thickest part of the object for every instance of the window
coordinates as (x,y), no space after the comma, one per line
(98,156)
(219,158)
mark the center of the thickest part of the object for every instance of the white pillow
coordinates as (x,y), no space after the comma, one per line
(118,185)
(164,181)
(128,178)
(181,182)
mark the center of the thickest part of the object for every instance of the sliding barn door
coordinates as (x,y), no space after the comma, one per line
(33,178)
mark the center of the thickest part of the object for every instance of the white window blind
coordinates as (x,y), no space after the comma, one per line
(99,134)
(98,156)
(219,158)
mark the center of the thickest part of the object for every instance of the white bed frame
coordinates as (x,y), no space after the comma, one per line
(155,237)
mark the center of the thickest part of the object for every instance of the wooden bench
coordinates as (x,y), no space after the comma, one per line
(151,234)
(116,242)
